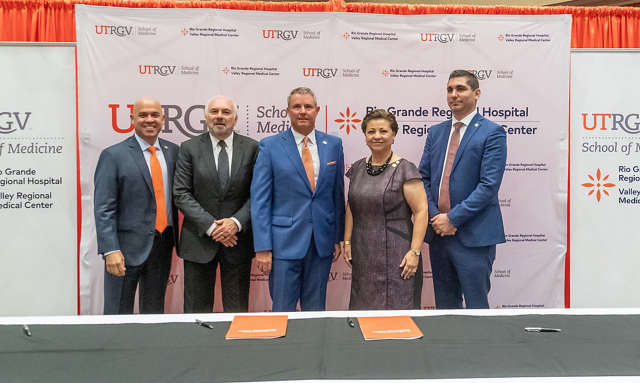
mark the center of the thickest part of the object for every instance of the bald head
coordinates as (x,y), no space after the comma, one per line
(147,119)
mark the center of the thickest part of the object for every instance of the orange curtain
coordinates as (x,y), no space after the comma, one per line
(54,20)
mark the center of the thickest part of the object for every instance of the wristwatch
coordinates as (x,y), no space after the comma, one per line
(416,251)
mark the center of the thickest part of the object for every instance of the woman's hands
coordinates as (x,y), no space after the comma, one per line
(409,264)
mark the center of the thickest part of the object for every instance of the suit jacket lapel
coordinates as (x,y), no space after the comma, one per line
(206,153)
(440,147)
(237,156)
(291,149)
(472,128)
(322,155)
(138,157)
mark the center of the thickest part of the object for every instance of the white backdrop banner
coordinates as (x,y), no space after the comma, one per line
(605,178)
(38,180)
(354,63)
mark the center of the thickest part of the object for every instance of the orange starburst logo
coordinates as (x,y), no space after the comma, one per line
(184,31)
(385,73)
(599,186)
(348,120)
(500,37)
(346,35)
(226,70)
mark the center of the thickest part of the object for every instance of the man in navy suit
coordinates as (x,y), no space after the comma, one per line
(462,167)
(297,207)
(136,221)
(212,181)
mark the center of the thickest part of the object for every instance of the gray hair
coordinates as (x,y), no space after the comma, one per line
(235,107)
(302,90)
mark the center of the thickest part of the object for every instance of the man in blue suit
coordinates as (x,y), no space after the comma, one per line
(136,221)
(297,207)
(462,167)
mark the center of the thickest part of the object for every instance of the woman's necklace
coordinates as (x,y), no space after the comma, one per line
(380,169)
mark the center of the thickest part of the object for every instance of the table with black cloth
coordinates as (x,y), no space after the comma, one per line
(456,344)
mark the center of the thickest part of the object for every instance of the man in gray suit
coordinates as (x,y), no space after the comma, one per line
(136,222)
(211,188)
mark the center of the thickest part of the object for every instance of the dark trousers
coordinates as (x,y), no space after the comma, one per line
(200,282)
(460,271)
(152,276)
(304,280)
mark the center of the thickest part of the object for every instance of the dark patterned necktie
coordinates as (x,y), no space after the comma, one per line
(223,165)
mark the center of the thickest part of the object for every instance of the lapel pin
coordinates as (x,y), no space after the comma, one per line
(324,142)
(476,125)
(166,147)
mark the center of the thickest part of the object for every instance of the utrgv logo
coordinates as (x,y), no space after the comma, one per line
(162,70)
(630,123)
(481,74)
(188,120)
(113,30)
(278,34)
(114,118)
(7,120)
(320,72)
(439,37)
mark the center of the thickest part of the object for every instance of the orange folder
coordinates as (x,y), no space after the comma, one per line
(394,327)
(258,326)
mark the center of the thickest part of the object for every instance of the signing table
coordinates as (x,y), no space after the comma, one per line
(323,346)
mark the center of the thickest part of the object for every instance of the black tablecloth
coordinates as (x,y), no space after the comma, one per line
(453,346)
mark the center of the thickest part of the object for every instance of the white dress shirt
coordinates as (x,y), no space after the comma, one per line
(465,121)
(165,172)
(216,153)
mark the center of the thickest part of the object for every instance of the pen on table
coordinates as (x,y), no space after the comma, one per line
(350,322)
(201,323)
(26,330)
(541,329)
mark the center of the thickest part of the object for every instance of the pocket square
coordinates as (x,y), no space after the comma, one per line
(331,163)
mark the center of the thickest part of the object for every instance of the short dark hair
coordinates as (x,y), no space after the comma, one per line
(380,114)
(472,80)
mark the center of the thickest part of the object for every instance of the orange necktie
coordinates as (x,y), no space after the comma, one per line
(444,202)
(158,190)
(308,162)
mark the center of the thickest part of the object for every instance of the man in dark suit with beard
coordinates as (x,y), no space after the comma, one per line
(211,188)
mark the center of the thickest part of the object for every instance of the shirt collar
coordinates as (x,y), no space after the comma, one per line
(299,137)
(228,140)
(144,144)
(466,120)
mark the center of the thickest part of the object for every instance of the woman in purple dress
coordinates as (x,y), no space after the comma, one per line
(382,244)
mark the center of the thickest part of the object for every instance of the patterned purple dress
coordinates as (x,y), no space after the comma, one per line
(381,236)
